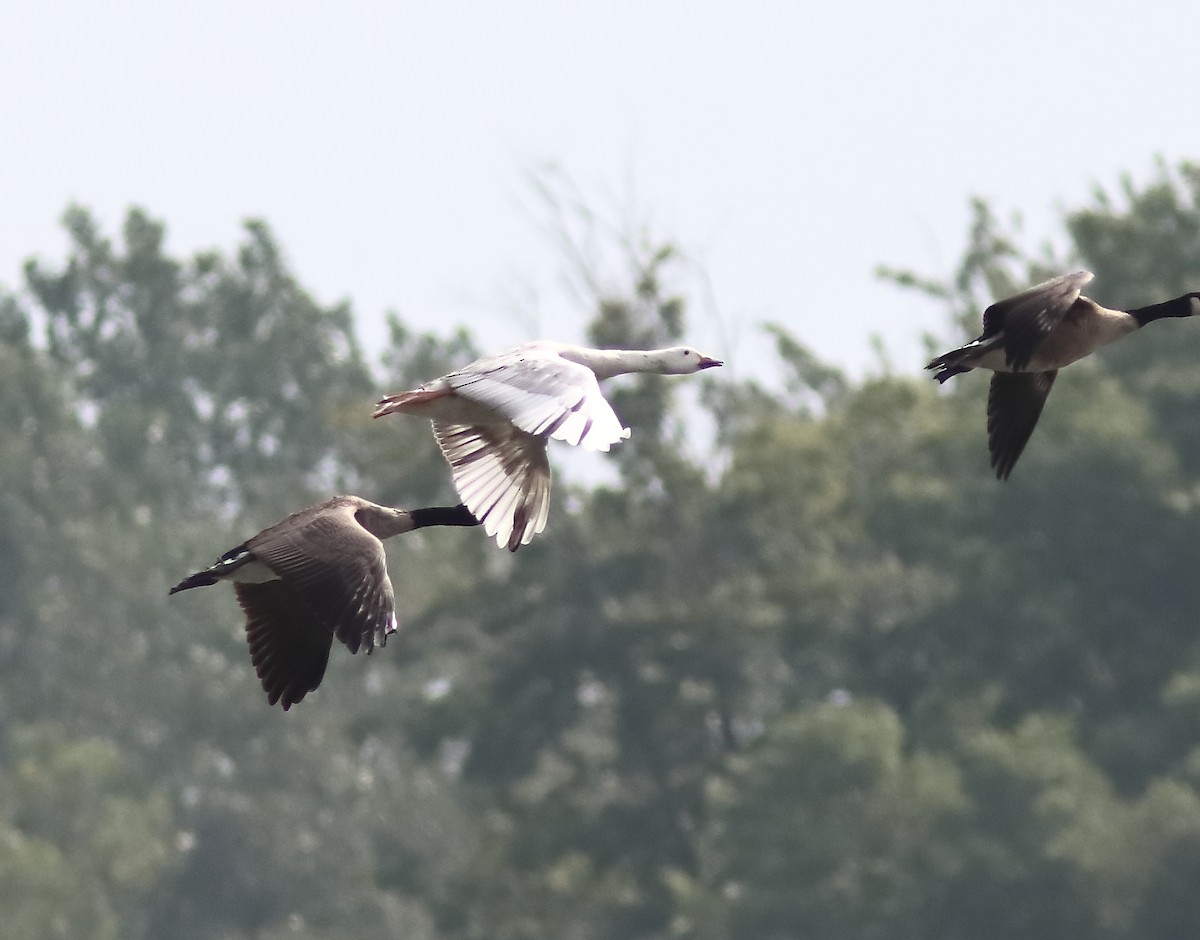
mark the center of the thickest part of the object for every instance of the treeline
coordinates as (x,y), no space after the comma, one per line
(822,678)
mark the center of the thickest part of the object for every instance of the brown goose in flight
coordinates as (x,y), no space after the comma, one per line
(319,573)
(1027,338)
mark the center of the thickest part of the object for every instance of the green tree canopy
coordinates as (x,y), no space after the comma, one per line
(794,665)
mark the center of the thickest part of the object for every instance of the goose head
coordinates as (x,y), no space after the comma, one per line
(684,360)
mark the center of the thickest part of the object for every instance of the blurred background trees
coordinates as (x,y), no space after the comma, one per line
(792,665)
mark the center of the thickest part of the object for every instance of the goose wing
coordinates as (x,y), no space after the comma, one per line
(338,570)
(542,394)
(289,647)
(1027,318)
(1015,402)
(502,475)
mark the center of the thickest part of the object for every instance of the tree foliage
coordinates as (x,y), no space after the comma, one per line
(796,666)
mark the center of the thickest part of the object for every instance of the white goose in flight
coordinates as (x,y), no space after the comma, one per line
(492,420)
(1027,338)
(319,573)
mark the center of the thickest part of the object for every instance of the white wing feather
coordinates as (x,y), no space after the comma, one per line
(500,469)
(544,395)
(502,476)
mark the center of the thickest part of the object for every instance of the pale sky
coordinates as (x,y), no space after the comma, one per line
(788,147)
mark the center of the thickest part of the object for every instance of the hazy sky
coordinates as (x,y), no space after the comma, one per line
(789,147)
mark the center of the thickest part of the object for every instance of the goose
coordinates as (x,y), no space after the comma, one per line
(1027,338)
(493,418)
(319,573)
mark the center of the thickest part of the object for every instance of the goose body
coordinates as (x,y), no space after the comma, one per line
(492,420)
(1027,338)
(319,573)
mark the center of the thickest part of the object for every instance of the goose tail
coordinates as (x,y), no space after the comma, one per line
(404,401)
(955,362)
(199,579)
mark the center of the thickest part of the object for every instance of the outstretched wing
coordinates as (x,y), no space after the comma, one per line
(339,570)
(502,475)
(1027,318)
(288,646)
(1015,402)
(542,394)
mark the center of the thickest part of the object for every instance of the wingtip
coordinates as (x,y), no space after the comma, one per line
(1004,462)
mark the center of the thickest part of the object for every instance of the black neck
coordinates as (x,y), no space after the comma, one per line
(1183,306)
(442,515)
